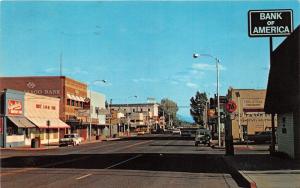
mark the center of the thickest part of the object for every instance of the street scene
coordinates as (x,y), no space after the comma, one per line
(150,94)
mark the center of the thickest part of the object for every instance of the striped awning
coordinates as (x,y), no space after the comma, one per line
(54,123)
(75,98)
(21,122)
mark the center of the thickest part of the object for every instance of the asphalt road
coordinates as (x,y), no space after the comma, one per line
(146,162)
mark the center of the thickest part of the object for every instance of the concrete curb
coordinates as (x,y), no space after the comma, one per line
(29,149)
(55,147)
(242,179)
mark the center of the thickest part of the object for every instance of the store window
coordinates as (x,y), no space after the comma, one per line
(72,103)
(68,102)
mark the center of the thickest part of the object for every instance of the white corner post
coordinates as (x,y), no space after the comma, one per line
(90,127)
(218,98)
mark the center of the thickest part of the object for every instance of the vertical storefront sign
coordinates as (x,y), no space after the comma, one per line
(14,107)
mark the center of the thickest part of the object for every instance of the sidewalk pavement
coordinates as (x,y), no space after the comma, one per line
(56,145)
(264,171)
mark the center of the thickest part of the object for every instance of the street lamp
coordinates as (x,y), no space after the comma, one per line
(239,117)
(89,86)
(218,89)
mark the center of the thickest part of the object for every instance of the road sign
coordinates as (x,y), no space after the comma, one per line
(231,106)
(268,23)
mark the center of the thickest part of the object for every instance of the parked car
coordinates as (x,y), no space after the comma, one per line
(176,132)
(70,139)
(260,137)
(203,136)
(141,132)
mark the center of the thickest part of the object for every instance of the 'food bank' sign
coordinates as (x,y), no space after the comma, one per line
(263,23)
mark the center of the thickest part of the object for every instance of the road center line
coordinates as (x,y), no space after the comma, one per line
(50,164)
(84,176)
(122,162)
(130,146)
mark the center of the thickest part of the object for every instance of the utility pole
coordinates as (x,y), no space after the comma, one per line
(60,64)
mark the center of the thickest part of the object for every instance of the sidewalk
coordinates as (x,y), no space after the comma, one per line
(263,170)
(56,145)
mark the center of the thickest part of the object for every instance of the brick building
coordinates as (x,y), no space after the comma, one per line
(72,95)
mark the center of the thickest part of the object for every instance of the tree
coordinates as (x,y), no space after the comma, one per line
(168,108)
(198,104)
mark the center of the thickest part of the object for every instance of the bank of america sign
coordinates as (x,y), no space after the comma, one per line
(268,23)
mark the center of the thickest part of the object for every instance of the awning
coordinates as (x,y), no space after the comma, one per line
(81,99)
(72,97)
(75,98)
(21,122)
(54,123)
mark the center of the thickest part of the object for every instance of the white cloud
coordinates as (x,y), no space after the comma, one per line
(191,85)
(66,71)
(136,80)
(206,67)
(102,83)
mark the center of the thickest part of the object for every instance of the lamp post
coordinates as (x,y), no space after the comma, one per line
(48,125)
(239,117)
(218,90)
(90,111)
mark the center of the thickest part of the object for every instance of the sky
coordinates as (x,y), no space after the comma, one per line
(141,49)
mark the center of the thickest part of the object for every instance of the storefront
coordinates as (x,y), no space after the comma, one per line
(25,116)
(43,111)
(249,117)
(16,129)
(283,93)
(72,95)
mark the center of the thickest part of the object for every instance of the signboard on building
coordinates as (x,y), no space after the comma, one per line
(253,103)
(87,103)
(231,106)
(14,107)
(268,23)
(83,112)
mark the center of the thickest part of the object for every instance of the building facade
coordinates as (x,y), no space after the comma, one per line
(25,116)
(98,112)
(283,93)
(72,95)
(249,117)
(142,116)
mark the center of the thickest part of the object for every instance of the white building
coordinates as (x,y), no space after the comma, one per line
(141,115)
(97,111)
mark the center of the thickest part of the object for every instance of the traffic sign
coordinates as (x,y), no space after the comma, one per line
(231,106)
(268,23)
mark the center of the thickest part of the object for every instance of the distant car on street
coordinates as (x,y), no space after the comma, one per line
(261,137)
(176,132)
(141,132)
(203,136)
(70,139)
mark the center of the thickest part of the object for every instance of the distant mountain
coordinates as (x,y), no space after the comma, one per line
(186,118)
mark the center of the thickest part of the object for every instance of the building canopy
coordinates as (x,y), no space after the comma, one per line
(283,92)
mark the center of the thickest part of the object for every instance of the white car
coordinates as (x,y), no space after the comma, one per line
(176,132)
(70,139)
